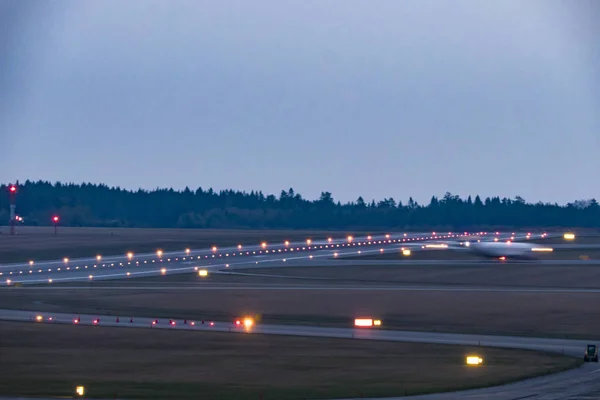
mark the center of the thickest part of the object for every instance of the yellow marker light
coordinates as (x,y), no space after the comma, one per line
(214,248)
(203,272)
(49,280)
(80,390)
(542,249)
(474,360)
(406,252)
(39,318)
(66,260)
(350,238)
(129,273)
(130,255)
(248,322)
(569,236)
(239,246)
(163,271)
(30,262)
(263,245)
(308,241)
(363,322)
(159,253)
(329,240)
(377,322)
(187,251)
(98,257)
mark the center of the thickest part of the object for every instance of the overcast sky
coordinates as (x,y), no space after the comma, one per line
(381,99)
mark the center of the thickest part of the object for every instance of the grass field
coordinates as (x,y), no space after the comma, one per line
(493,275)
(51,360)
(513,275)
(529,314)
(39,243)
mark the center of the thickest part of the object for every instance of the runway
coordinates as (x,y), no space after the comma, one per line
(295,287)
(580,383)
(318,253)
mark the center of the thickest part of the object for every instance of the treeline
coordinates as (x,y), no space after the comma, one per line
(99,205)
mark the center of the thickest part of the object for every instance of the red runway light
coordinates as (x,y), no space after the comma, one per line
(238,322)
(212,323)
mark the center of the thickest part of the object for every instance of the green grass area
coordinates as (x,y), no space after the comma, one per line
(40,359)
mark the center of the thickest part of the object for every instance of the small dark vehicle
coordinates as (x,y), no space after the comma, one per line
(591,353)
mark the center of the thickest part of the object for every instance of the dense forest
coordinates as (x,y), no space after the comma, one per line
(100,205)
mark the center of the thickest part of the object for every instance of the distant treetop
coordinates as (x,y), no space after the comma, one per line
(90,204)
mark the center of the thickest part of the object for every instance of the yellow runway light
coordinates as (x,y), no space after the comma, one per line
(437,246)
(39,318)
(474,360)
(163,271)
(406,252)
(569,236)
(203,273)
(377,322)
(542,249)
(80,390)
(159,253)
(248,323)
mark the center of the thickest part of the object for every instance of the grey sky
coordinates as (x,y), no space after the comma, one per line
(375,98)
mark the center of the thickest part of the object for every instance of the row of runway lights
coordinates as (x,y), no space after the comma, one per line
(248,253)
(246,322)
(350,239)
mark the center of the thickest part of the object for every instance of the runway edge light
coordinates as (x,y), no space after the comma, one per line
(569,236)
(80,390)
(474,360)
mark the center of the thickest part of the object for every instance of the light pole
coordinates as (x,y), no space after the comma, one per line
(55,220)
(12,192)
